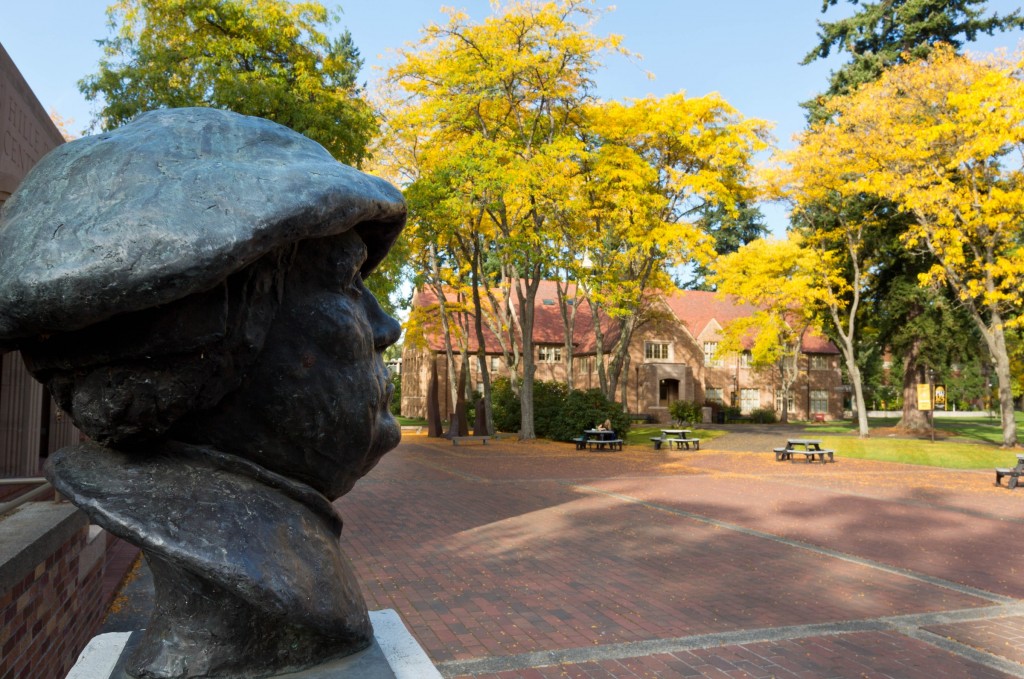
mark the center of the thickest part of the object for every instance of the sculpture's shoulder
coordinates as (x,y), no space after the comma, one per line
(213,513)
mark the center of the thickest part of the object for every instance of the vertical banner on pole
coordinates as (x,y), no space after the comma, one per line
(924,397)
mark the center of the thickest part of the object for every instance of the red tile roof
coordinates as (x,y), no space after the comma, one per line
(548,327)
(696,309)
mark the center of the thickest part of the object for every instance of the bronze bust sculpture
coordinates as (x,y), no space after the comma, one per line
(189,288)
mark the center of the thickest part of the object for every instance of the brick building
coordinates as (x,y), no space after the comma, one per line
(31,425)
(671,357)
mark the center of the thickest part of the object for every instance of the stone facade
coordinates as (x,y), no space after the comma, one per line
(670,358)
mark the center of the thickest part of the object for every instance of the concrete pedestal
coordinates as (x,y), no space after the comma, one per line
(395,654)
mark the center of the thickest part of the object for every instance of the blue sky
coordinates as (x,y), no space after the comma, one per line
(747,50)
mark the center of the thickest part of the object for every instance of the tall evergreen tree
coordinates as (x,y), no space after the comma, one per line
(886,32)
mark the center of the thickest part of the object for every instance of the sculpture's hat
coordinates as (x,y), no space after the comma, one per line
(167,206)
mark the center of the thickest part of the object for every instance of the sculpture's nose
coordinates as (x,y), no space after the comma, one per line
(386,330)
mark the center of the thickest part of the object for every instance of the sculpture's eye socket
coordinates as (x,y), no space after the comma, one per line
(340,259)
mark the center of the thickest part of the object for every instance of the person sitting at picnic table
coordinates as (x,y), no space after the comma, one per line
(606,426)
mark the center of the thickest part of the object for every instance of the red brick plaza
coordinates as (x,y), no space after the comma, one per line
(537,560)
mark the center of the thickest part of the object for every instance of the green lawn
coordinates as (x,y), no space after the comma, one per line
(411,421)
(641,435)
(981,429)
(948,454)
(971,443)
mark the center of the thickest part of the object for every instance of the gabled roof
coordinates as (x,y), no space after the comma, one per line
(697,310)
(548,327)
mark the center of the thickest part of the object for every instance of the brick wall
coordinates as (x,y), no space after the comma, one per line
(52,595)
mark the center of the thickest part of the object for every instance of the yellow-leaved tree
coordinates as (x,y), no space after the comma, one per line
(842,232)
(490,112)
(781,280)
(654,165)
(943,139)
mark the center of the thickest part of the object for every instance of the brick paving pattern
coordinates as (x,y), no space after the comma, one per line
(1004,636)
(534,560)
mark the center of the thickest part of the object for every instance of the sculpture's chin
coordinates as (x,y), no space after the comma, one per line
(387,435)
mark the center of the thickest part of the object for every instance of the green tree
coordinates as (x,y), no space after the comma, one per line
(888,32)
(266,58)
(730,230)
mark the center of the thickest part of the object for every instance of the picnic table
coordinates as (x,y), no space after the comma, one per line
(810,448)
(679,437)
(597,439)
(1013,472)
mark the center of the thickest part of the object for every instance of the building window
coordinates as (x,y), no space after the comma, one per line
(656,351)
(778,402)
(819,401)
(710,349)
(549,354)
(746,359)
(713,394)
(495,363)
(820,362)
(750,399)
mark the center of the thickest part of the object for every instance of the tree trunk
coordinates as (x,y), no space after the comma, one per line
(853,370)
(620,360)
(997,346)
(625,382)
(527,298)
(602,376)
(481,351)
(913,419)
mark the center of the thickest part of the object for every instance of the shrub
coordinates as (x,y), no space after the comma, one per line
(558,414)
(505,404)
(585,410)
(731,413)
(763,416)
(685,412)
(548,403)
(396,399)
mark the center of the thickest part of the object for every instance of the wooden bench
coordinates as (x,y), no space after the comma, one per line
(1013,472)
(456,440)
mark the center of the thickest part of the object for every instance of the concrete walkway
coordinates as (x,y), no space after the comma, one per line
(537,560)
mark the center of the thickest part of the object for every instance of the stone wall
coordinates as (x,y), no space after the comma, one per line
(52,598)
